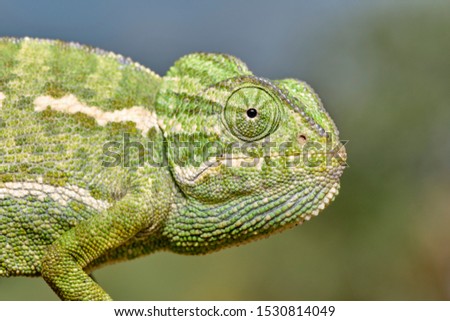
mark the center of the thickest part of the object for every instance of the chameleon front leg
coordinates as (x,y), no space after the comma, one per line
(64,260)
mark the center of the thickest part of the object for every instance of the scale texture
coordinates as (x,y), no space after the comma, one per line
(103,160)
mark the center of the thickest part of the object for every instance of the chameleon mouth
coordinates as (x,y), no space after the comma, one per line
(201,170)
(219,161)
(191,174)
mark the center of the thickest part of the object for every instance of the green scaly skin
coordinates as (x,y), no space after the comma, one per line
(102,160)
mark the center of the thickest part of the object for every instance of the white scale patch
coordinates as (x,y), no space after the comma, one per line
(61,195)
(2,97)
(144,119)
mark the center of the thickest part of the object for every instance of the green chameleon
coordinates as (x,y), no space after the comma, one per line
(102,160)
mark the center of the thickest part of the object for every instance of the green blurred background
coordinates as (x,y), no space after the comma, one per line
(382,69)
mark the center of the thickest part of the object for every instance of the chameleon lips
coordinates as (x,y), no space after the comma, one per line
(189,174)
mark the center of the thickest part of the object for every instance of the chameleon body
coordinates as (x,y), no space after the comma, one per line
(102,160)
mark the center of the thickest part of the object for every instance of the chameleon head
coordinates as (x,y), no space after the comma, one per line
(251,156)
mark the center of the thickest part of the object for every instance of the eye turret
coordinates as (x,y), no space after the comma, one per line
(251,113)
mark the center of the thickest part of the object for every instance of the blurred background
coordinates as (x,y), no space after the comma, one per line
(382,69)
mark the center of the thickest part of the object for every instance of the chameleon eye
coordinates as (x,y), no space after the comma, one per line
(251,113)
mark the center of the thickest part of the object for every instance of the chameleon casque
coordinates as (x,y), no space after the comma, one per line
(102,160)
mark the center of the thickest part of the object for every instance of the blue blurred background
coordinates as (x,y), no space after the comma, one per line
(382,69)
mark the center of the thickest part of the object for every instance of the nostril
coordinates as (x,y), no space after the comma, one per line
(301,138)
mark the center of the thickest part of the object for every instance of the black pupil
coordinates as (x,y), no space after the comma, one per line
(252,112)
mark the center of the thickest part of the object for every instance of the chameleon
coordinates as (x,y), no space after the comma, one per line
(102,160)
